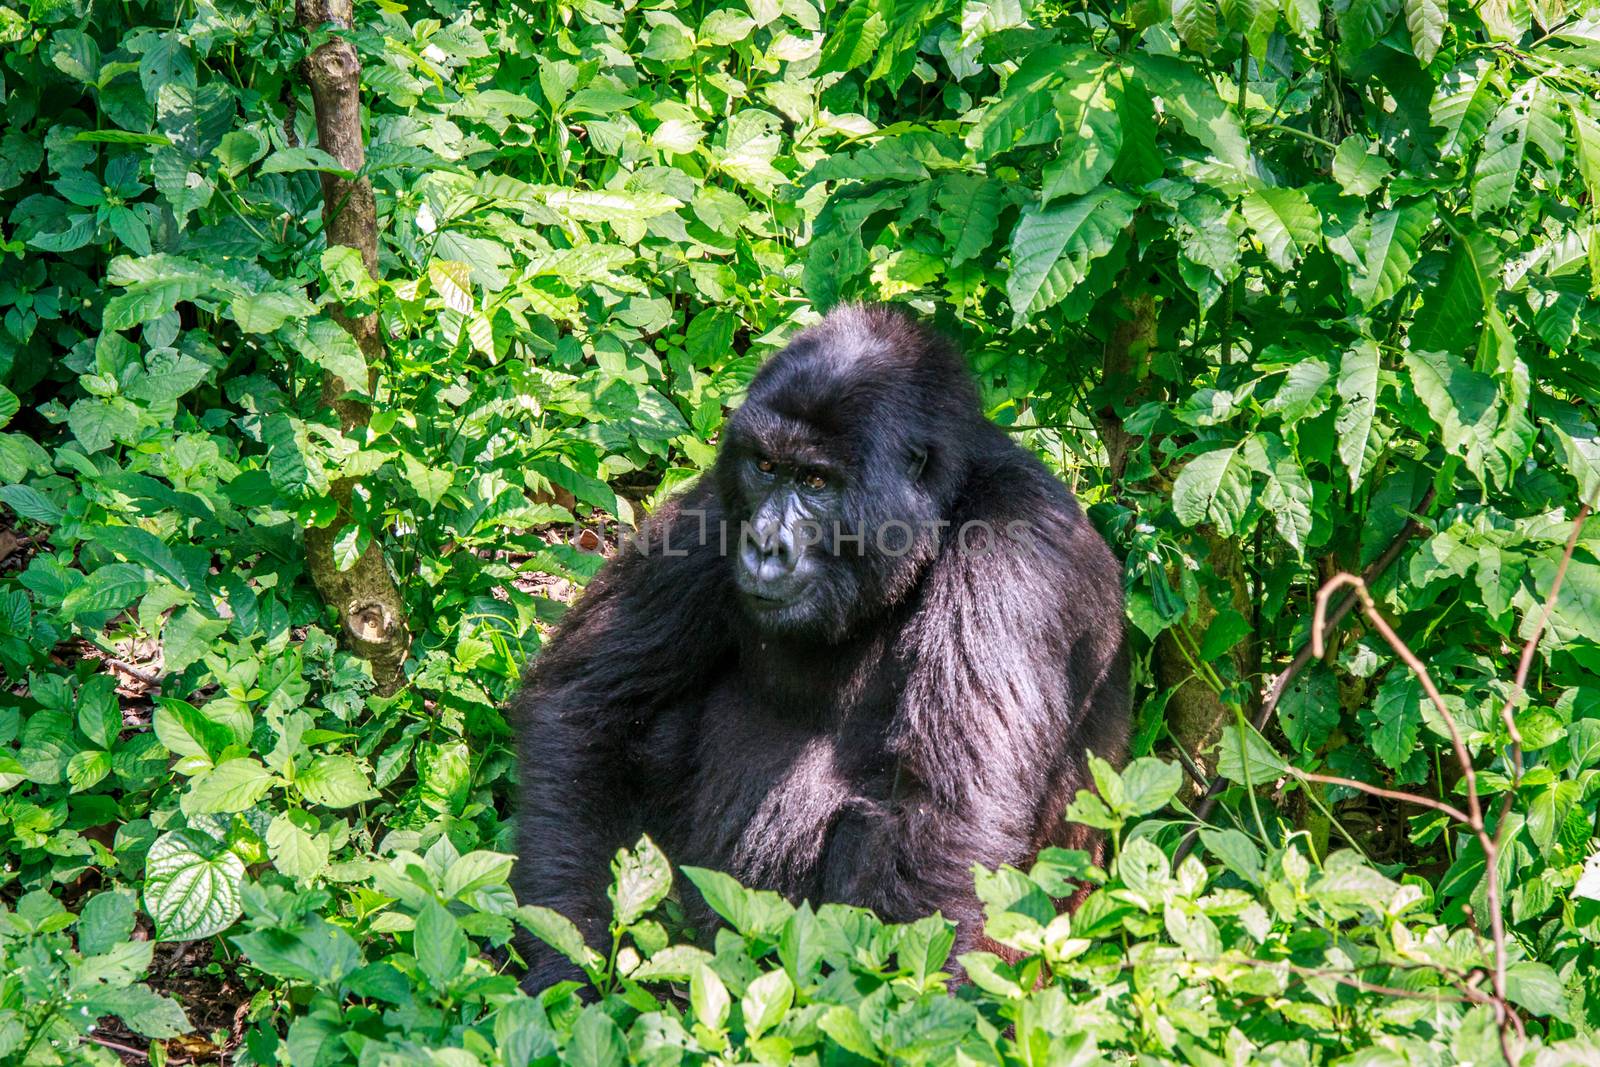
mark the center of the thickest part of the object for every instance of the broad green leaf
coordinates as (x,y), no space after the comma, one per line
(1357,166)
(1193,100)
(1529,114)
(1464,102)
(596,1041)
(1213,487)
(1053,247)
(328,345)
(290,160)
(766,1001)
(231,786)
(1586,133)
(107,919)
(1358,396)
(192,886)
(1426,19)
(334,782)
(1464,403)
(31,504)
(1254,759)
(1286,492)
(452,281)
(1391,250)
(98,424)
(1284,222)
(149,300)
(641,879)
(1196,23)
(297,852)
(1026,100)
(559,933)
(1148,785)
(969,212)
(855,40)
(439,946)
(1091,136)
(1454,306)
(708,998)
(1396,719)
(265,312)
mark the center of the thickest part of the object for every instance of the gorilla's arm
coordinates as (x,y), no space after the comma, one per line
(1016,667)
(604,708)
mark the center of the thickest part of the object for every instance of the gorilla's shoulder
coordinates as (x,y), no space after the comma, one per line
(1034,531)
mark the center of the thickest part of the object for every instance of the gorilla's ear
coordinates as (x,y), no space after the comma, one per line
(919,460)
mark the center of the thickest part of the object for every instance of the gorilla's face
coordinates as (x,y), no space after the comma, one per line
(819,541)
(838,472)
(789,507)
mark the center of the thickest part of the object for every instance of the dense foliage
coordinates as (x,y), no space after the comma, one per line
(1264,281)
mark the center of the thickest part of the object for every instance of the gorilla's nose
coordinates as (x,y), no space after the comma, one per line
(770,553)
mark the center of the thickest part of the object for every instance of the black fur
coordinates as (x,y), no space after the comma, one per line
(924,711)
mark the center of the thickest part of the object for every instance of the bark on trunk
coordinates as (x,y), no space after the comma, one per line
(1195,715)
(365,596)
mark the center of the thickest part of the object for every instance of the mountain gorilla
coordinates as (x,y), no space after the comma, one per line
(869,650)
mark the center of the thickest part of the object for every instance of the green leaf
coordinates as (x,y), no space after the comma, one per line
(1358,396)
(1463,103)
(845,1028)
(265,312)
(327,344)
(708,998)
(1357,166)
(1391,250)
(766,1001)
(1213,487)
(291,160)
(1309,709)
(29,503)
(192,886)
(1254,756)
(1527,114)
(98,424)
(1453,306)
(1287,493)
(334,782)
(752,912)
(1583,463)
(1196,23)
(231,786)
(1426,19)
(295,851)
(1462,402)
(1284,222)
(1053,247)
(596,1041)
(440,946)
(452,281)
(1536,987)
(641,879)
(144,301)
(969,211)
(559,933)
(855,39)
(1091,136)
(1025,102)
(1148,785)
(106,920)
(1396,719)
(1193,100)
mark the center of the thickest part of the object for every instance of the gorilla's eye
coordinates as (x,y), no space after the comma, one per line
(814,480)
(765,465)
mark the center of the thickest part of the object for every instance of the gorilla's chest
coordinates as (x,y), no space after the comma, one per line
(772,779)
